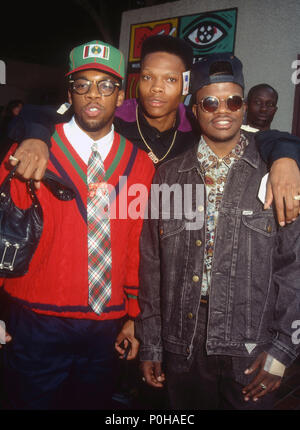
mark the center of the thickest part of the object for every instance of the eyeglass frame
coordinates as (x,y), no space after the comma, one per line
(90,83)
(219,102)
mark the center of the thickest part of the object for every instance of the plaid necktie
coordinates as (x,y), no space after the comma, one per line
(99,249)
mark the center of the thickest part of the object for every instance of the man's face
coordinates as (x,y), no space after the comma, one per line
(223,125)
(160,84)
(94,113)
(261,108)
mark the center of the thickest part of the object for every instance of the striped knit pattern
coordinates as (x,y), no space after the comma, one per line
(99,246)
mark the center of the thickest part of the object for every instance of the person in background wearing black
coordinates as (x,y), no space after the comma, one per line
(11,111)
(262,102)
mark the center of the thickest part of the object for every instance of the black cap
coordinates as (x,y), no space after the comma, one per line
(170,44)
(216,68)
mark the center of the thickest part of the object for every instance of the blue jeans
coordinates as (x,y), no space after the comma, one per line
(212,382)
(58,363)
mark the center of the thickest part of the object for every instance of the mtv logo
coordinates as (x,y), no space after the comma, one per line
(2,332)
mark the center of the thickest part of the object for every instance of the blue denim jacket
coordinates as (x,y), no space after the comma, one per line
(255,288)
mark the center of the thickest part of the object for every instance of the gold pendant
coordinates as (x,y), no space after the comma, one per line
(153,157)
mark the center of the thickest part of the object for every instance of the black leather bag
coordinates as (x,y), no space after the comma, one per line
(21,229)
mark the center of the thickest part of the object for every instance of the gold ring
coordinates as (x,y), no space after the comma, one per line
(263,386)
(12,158)
(297,197)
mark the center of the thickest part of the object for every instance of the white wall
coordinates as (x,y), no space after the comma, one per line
(267,41)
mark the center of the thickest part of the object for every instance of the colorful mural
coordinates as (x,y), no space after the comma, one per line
(207,33)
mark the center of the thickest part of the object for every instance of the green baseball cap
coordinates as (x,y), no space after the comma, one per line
(97,55)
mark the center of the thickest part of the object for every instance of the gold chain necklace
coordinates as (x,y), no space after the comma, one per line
(151,154)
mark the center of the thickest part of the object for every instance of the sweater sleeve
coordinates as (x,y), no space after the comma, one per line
(275,144)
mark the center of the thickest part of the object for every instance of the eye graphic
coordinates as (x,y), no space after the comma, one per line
(206,34)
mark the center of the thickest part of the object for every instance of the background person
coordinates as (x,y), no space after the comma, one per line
(11,111)
(262,102)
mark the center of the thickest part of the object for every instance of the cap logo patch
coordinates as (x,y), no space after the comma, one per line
(99,51)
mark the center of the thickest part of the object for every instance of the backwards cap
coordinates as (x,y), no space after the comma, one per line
(97,55)
(216,68)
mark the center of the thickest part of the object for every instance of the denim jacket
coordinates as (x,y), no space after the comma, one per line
(255,289)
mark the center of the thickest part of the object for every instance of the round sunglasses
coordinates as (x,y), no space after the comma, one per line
(211,103)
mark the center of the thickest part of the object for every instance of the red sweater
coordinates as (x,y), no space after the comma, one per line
(57,280)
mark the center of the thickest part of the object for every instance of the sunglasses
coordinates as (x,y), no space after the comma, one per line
(211,103)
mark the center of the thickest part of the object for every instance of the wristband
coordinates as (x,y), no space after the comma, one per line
(274,366)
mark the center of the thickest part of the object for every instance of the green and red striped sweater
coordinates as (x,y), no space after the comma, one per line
(57,280)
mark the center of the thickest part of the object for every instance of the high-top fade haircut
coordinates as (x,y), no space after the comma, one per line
(169,44)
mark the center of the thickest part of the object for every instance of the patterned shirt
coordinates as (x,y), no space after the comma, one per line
(215,171)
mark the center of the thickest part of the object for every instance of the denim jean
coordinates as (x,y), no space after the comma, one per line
(213,382)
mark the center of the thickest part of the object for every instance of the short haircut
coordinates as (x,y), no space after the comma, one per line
(169,44)
(261,87)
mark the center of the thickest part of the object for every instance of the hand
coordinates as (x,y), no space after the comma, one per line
(126,339)
(254,390)
(153,374)
(33,155)
(284,184)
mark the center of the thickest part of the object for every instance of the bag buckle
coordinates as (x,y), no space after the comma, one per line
(9,264)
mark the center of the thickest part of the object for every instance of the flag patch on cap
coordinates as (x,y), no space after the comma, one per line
(100,51)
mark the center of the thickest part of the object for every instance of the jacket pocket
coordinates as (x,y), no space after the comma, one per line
(263,223)
(170,227)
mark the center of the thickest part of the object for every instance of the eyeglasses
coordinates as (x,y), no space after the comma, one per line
(82,86)
(211,103)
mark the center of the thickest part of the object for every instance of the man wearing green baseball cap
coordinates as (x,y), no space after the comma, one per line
(76,305)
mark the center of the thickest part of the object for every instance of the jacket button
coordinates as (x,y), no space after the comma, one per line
(188,350)
(198,242)
(190,315)
(161,231)
(200,208)
(195,278)
(269,229)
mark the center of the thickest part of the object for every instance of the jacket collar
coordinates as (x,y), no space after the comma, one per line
(251,156)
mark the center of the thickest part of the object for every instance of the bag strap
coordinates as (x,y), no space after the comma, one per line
(30,185)
(59,187)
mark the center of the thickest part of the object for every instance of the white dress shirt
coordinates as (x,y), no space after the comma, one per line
(82,143)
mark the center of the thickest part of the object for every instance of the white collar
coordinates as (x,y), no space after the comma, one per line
(82,143)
